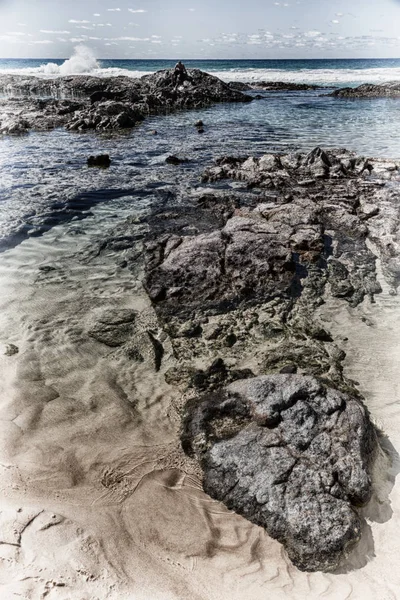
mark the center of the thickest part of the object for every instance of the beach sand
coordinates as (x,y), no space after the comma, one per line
(98,500)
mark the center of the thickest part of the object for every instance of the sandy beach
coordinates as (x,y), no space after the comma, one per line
(98,499)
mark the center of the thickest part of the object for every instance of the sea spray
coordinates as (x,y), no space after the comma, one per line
(82,61)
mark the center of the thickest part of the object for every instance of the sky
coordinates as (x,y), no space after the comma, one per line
(264,29)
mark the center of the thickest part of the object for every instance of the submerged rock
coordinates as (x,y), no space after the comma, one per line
(290,454)
(101,160)
(175,160)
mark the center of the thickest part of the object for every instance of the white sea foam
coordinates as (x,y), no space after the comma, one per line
(313,76)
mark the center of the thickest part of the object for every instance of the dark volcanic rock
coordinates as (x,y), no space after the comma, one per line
(101,160)
(289,454)
(175,160)
(368,90)
(214,272)
(239,86)
(81,103)
(105,115)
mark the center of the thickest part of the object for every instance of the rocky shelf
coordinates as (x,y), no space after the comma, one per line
(82,103)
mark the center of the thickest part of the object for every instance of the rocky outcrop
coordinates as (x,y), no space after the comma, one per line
(368,90)
(308,229)
(85,103)
(290,454)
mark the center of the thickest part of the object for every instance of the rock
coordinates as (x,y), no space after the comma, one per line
(114,327)
(240,86)
(290,454)
(200,130)
(105,115)
(368,90)
(199,123)
(11,350)
(283,86)
(14,126)
(101,160)
(243,262)
(83,103)
(174,160)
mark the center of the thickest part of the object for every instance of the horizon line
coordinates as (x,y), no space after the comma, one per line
(208,59)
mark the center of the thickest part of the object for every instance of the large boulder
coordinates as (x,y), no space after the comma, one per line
(369,90)
(290,454)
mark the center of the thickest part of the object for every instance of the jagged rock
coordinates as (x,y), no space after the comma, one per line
(215,272)
(290,454)
(83,103)
(105,115)
(14,126)
(369,90)
(101,160)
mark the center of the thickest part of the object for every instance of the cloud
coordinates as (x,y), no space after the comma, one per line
(96,14)
(335,22)
(55,32)
(192,9)
(43,42)
(16,33)
(128,39)
(113,9)
(75,21)
(139,10)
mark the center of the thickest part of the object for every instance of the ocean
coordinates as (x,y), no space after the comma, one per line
(43,173)
(325,72)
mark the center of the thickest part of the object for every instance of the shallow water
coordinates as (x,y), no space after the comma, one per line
(44,178)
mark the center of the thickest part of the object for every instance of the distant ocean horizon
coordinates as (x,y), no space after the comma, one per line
(324,72)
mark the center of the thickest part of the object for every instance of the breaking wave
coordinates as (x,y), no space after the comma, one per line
(84,62)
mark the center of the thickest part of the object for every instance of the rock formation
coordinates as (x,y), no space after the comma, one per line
(81,103)
(289,454)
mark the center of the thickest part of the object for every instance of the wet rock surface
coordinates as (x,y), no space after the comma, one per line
(290,454)
(368,90)
(82,103)
(237,277)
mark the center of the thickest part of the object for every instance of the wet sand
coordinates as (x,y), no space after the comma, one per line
(97,498)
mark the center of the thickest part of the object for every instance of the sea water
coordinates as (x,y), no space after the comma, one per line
(45,181)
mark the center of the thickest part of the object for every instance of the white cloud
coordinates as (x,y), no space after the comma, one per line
(139,10)
(22,24)
(55,32)
(16,33)
(75,21)
(335,22)
(129,39)
(192,9)
(113,9)
(96,14)
(43,42)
